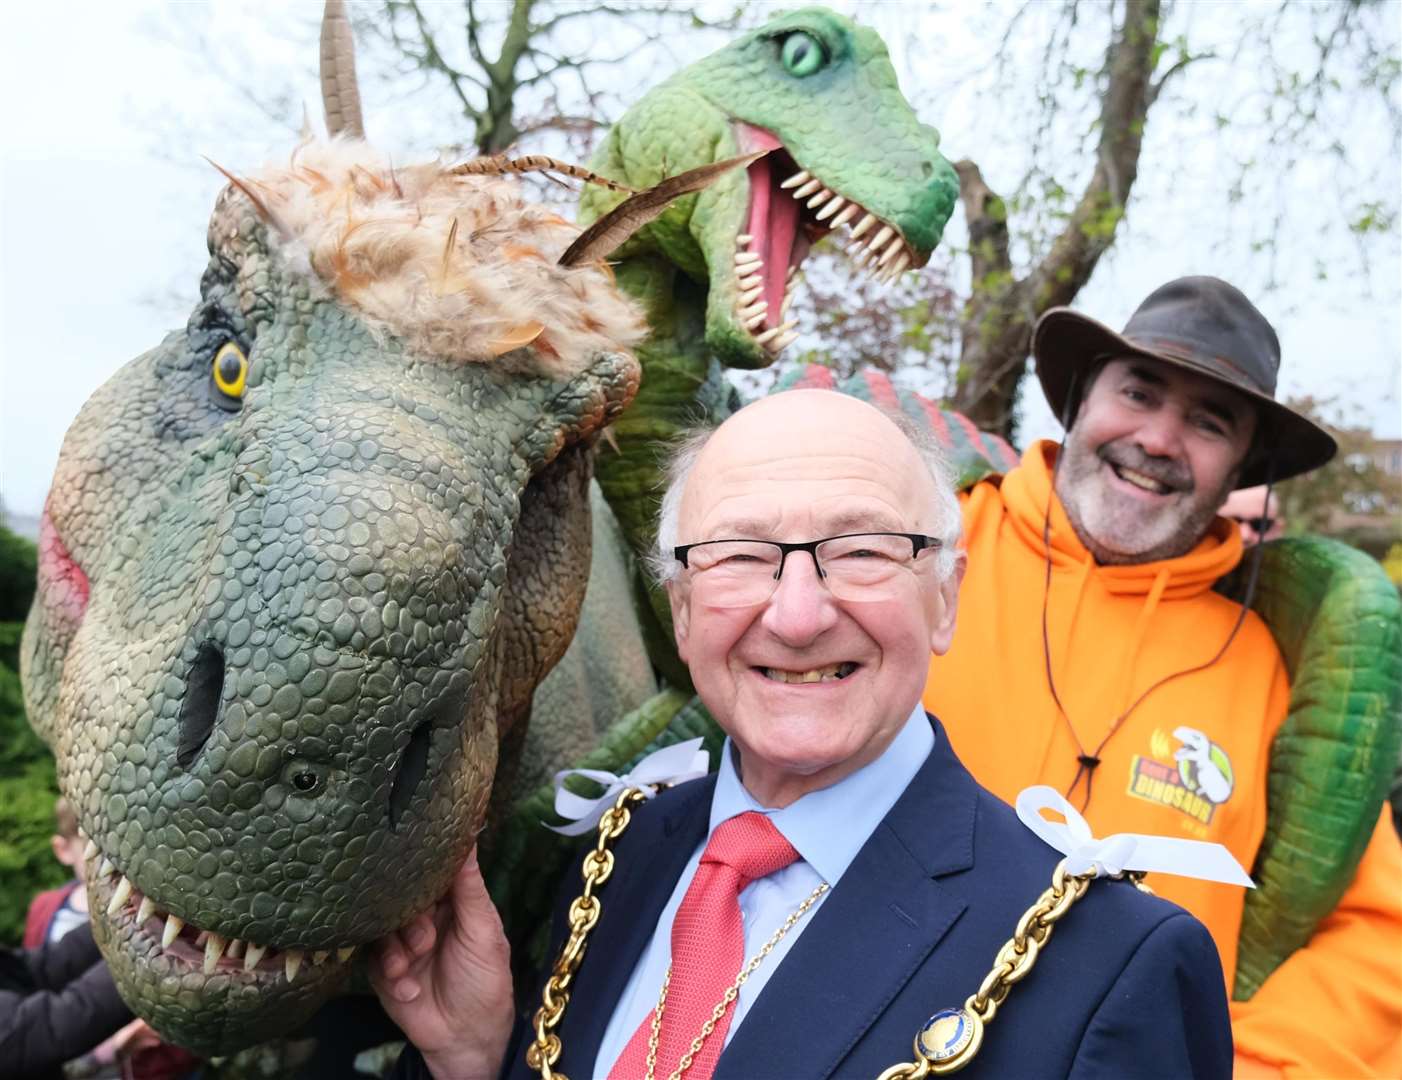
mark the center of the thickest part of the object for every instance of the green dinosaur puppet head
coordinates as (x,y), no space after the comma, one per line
(303,564)
(820,93)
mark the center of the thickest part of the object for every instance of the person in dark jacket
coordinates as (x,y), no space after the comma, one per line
(56,1002)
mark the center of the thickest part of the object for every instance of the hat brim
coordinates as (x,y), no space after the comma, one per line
(1067,344)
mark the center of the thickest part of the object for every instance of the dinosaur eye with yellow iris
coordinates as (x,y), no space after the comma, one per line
(229,376)
(802,54)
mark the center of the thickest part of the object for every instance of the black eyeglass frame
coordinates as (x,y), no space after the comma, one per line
(918,542)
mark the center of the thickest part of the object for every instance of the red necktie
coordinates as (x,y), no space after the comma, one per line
(708,947)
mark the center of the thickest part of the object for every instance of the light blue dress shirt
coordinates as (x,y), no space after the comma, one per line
(826,827)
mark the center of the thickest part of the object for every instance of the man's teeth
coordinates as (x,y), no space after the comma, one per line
(824,674)
(215,946)
(1139,480)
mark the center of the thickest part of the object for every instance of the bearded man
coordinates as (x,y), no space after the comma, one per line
(1126,681)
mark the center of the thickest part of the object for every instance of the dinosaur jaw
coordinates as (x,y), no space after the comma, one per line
(790,209)
(183,978)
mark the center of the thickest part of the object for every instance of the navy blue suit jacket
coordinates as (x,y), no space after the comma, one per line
(1127,986)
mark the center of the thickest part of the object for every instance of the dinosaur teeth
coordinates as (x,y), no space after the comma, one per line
(783,343)
(820,198)
(753,321)
(174,924)
(847,215)
(213,950)
(751,281)
(319,957)
(749,297)
(90,851)
(884,235)
(834,205)
(788,303)
(291,962)
(800,177)
(235,949)
(863,225)
(343,954)
(753,310)
(254,954)
(898,267)
(106,867)
(770,335)
(120,897)
(891,252)
(742,239)
(145,911)
(746,260)
(807,189)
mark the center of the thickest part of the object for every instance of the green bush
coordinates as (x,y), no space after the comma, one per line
(28,785)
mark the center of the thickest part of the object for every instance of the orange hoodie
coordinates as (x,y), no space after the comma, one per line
(1182,757)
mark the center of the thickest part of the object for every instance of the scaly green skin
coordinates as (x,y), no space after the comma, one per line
(846,123)
(1338,622)
(389,551)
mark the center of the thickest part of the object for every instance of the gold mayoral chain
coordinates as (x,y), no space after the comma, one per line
(945,1044)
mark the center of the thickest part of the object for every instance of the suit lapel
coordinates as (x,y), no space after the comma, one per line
(889,906)
(658,844)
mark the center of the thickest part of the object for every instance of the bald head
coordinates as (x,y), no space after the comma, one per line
(847,461)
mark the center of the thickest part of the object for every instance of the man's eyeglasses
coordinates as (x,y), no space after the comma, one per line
(1262,525)
(853,566)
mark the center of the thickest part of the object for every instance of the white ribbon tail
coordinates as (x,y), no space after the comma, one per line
(1124,851)
(670,765)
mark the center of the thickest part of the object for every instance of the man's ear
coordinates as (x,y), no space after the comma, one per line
(942,629)
(679,596)
(60,846)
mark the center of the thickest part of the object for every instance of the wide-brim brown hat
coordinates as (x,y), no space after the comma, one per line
(1205,326)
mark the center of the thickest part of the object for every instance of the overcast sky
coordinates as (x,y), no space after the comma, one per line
(104,199)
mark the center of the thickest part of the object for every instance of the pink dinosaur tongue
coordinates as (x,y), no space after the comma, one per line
(773,220)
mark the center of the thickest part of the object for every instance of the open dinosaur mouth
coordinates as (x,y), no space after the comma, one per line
(191,948)
(790,210)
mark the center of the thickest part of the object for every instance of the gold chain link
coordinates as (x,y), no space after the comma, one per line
(545,1051)
(1015,959)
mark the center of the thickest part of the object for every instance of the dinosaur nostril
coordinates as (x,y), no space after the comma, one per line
(413,763)
(203,692)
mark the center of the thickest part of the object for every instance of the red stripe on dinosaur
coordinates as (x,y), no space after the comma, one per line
(815,377)
(62,584)
(881,392)
(935,415)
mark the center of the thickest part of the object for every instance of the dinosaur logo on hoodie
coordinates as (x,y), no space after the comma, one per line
(1203,765)
(1196,781)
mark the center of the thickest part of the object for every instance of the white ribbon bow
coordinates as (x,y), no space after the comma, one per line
(1124,851)
(670,765)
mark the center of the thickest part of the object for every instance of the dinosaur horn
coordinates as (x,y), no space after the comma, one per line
(611,230)
(339,93)
(500,164)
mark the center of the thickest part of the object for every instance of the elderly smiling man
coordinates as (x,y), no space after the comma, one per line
(841,846)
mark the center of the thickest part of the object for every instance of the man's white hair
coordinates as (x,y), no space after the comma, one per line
(684,453)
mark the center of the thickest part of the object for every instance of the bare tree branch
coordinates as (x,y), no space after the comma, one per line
(1001,311)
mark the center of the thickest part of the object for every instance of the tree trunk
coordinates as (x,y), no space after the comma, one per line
(996,327)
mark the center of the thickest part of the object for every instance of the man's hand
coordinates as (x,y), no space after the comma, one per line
(445,979)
